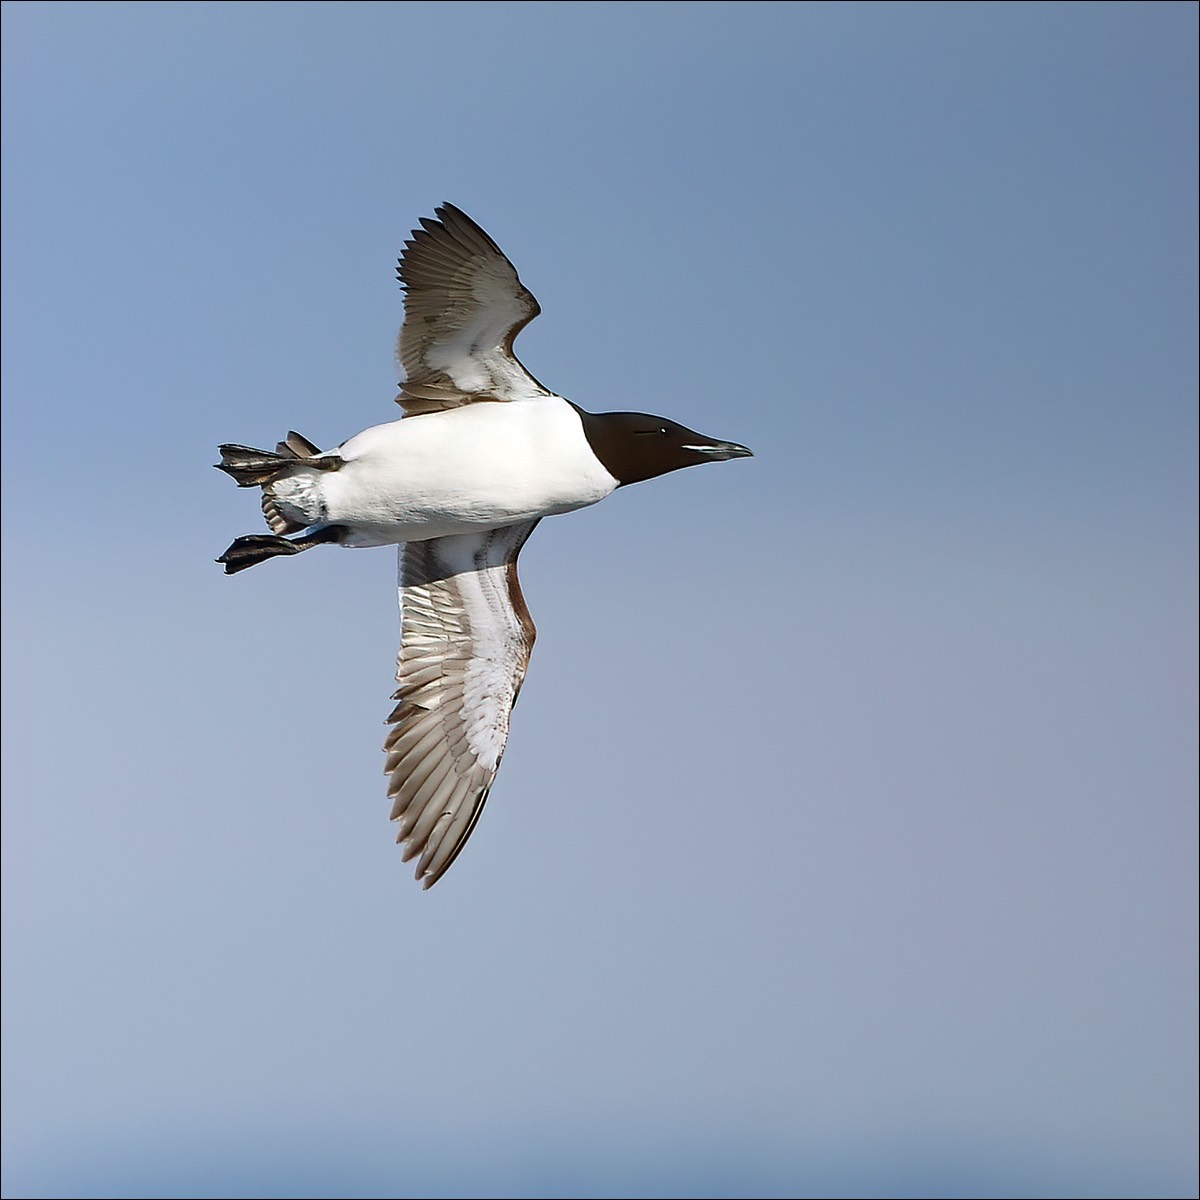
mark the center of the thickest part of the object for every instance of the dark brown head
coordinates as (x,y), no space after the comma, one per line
(637,446)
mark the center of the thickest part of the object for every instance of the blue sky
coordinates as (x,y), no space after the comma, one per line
(845,843)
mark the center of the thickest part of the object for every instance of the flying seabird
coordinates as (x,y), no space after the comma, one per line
(482,453)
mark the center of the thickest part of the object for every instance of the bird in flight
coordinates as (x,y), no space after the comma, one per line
(482,453)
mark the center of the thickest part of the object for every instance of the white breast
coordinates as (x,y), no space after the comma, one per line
(475,467)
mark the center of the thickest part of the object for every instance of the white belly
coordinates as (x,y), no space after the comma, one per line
(471,468)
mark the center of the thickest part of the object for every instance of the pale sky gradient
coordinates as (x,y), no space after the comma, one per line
(845,844)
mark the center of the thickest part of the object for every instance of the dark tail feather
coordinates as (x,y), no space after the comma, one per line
(296,445)
(253,548)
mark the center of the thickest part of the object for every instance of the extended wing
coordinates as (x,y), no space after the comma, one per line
(464,305)
(466,637)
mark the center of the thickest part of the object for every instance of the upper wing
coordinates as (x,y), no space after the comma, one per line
(463,307)
(465,642)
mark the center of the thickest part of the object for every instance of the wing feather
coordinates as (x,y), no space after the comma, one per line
(466,637)
(464,306)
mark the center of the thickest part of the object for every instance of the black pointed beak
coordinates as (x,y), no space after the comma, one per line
(720,451)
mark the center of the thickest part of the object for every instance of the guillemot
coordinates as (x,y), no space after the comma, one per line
(481,455)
